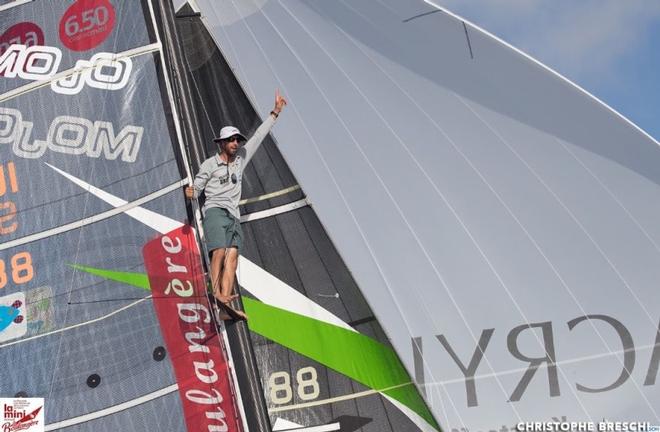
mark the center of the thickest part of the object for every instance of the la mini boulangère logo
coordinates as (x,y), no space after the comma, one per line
(25,414)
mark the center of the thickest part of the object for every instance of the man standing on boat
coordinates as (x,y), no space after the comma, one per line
(220,176)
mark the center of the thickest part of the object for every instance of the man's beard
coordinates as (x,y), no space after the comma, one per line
(226,150)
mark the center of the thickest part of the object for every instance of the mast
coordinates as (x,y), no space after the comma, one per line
(254,405)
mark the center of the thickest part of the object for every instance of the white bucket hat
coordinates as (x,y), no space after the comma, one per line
(229,131)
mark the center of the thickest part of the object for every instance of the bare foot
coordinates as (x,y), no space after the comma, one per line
(242,316)
(235,314)
(223,298)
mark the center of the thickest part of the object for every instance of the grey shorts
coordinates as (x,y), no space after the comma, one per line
(222,230)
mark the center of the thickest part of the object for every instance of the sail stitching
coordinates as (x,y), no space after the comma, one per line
(94,218)
(269,195)
(451,208)
(113,409)
(441,383)
(14,4)
(353,138)
(275,210)
(338,398)
(74,326)
(610,193)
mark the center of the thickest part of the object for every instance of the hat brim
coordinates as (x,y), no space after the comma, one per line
(218,139)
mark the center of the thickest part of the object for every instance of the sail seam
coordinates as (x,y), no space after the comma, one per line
(269,195)
(75,70)
(14,4)
(113,409)
(71,327)
(467,37)
(94,218)
(337,399)
(420,15)
(321,428)
(275,210)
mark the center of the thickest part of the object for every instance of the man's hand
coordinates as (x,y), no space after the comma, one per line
(279,102)
(190,192)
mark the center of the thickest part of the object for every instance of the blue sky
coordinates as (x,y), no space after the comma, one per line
(611,48)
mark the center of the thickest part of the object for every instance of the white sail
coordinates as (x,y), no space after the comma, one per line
(476,196)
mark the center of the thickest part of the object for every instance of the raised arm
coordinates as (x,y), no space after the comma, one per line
(255,141)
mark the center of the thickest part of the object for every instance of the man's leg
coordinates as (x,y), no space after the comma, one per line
(217,260)
(229,271)
(218,269)
(229,276)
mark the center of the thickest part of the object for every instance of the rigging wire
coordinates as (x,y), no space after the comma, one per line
(130,298)
(103,186)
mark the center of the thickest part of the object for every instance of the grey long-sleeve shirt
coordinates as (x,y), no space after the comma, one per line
(214,175)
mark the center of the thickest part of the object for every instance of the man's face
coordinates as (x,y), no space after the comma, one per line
(230,145)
